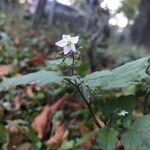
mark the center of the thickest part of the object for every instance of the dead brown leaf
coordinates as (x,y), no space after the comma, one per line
(29,90)
(74,105)
(101,123)
(4,70)
(25,146)
(137,113)
(16,137)
(61,133)
(119,146)
(83,131)
(41,123)
(17,102)
(16,42)
(39,59)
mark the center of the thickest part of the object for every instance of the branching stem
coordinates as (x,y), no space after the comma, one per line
(87,103)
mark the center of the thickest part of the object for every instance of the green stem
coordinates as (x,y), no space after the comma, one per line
(87,103)
(110,121)
(73,64)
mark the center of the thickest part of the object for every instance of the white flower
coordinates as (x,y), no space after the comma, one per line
(7,105)
(68,43)
(123,113)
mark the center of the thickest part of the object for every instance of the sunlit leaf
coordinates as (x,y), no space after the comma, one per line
(121,77)
(39,78)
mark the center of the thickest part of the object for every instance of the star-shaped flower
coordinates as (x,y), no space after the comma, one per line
(68,43)
(123,113)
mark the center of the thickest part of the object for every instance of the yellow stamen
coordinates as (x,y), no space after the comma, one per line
(68,43)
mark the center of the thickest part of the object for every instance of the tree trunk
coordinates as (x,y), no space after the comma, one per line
(91,5)
(39,12)
(4,4)
(140,33)
(51,11)
(99,34)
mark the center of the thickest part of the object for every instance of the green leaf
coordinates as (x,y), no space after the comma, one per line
(83,139)
(97,76)
(67,145)
(67,61)
(107,138)
(6,42)
(39,78)
(137,137)
(121,77)
(123,103)
(3,134)
(130,73)
(36,143)
(71,144)
(82,69)
(6,83)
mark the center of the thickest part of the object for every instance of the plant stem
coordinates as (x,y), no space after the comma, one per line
(64,58)
(87,103)
(73,63)
(89,108)
(110,121)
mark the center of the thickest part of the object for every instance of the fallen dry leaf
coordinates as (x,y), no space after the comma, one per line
(137,113)
(4,70)
(101,123)
(61,133)
(65,135)
(41,123)
(16,42)
(16,137)
(37,60)
(74,105)
(17,102)
(29,91)
(119,146)
(25,146)
(83,131)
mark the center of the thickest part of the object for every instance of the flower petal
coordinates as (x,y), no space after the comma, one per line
(123,113)
(61,43)
(75,39)
(66,37)
(66,50)
(73,48)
